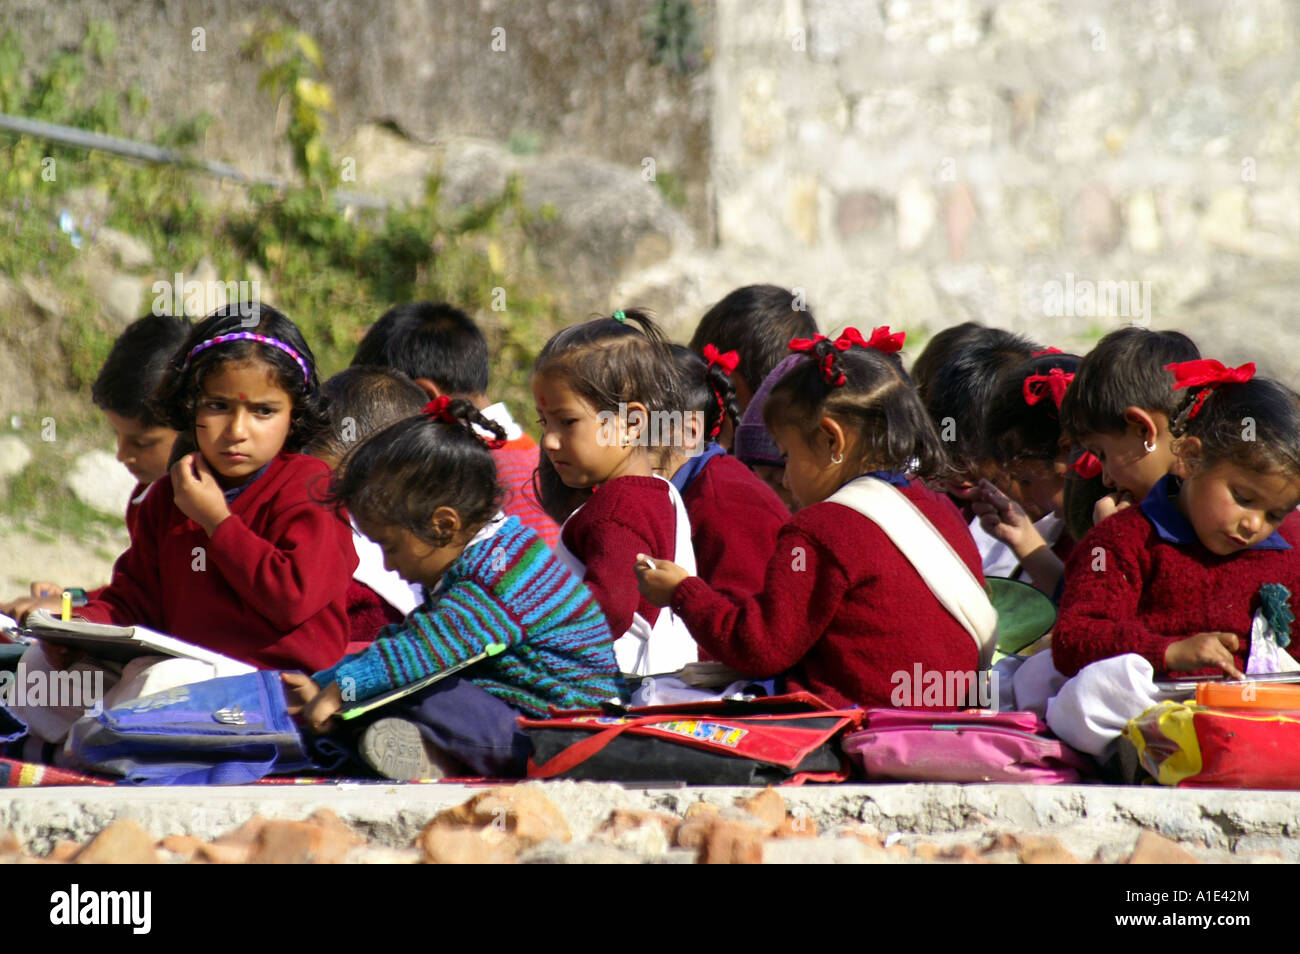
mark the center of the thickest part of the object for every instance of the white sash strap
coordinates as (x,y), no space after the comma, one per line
(931,555)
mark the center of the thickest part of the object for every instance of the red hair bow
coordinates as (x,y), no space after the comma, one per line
(440,410)
(727,360)
(1087,466)
(810,345)
(1039,386)
(1042,351)
(1208,374)
(882,340)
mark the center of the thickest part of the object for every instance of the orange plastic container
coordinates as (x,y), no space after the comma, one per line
(1275,696)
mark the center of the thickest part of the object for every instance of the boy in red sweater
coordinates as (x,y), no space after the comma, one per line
(440,348)
(842,611)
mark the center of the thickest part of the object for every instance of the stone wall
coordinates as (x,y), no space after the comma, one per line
(926,162)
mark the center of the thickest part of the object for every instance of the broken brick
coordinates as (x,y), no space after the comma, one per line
(1154,849)
(123,842)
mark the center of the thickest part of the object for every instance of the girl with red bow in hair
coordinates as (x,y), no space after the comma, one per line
(735,516)
(1022,431)
(844,606)
(1175,585)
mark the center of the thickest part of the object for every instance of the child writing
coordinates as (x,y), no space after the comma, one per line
(122,390)
(1120,406)
(735,517)
(1171,585)
(596,386)
(426,491)
(232,553)
(1024,438)
(848,600)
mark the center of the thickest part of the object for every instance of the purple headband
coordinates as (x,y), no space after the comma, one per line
(251,336)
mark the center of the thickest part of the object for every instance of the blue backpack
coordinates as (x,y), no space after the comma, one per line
(226,731)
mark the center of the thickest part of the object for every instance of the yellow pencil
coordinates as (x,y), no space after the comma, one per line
(67,606)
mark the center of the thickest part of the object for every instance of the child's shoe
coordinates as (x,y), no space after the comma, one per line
(395,749)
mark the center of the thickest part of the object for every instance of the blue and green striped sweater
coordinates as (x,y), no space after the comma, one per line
(508,588)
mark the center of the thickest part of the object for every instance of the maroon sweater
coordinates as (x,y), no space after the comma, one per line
(624,517)
(272,588)
(1135,585)
(735,519)
(841,609)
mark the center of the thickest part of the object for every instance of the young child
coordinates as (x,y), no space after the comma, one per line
(231,550)
(735,517)
(757,322)
(1119,407)
(1170,586)
(597,386)
(441,349)
(843,611)
(1024,437)
(425,490)
(144,443)
(362,401)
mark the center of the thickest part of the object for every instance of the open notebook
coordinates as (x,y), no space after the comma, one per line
(123,643)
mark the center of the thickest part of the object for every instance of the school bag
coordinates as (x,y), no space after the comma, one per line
(973,745)
(225,731)
(789,738)
(1193,746)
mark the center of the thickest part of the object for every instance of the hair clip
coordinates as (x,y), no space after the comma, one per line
(250,336)
(619,316)
(1039,386)
(1087,466)
(1208,374)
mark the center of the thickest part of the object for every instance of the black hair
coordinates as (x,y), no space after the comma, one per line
(362,401)
(430,340)
(608,362)
(557,498)
(938,348)
(1016,430)
(958,388)
(134,367)
(401,475)
(705,388)
(757,322)
(873,402)
(1255,424)
(177,398)
(1080,497)
(1125,369)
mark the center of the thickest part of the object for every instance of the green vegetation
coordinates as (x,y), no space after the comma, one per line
(332,270)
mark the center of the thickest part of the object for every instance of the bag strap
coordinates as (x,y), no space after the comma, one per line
(931,555)
(584,749)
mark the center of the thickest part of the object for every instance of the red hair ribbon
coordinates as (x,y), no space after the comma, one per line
(727,360)
(1039,386)
(1042,351)
(1087,466)
(440,410)
(881,339)
(1208,374)
(810,345)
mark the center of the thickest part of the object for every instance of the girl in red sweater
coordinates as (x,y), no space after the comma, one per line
(842,611)
(603,389)
(232,551)
(735,517)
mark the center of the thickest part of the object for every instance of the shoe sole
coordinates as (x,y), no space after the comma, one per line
(395,749)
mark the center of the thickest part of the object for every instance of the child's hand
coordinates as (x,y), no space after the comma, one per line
(1110,505)
(197,493)
(656,579)
(44,588)
(20,607)
(1202,651)
(1004,519)
(313,706)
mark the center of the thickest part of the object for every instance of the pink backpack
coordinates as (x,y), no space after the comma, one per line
(974,745)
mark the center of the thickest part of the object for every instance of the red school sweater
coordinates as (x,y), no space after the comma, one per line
(624,517)
(841,610)
(272,586)
(1129,588)
(516,462)
(735,520)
